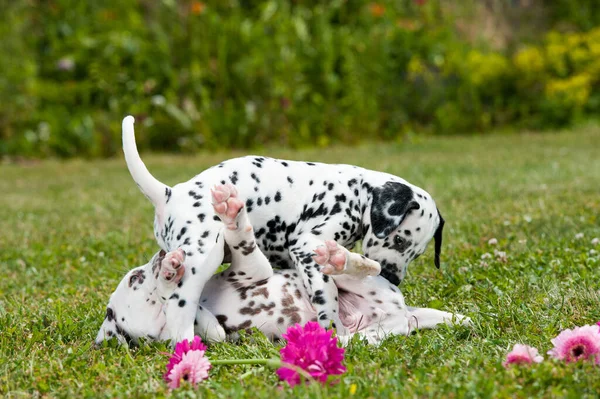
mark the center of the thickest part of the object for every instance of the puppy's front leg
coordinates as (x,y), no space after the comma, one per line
(182,305)
(321,288)
(337,260)
(171,270)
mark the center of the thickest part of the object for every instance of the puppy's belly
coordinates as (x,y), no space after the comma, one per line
(359,312)
(271,305)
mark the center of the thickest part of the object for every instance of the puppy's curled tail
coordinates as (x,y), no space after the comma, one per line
(156,191)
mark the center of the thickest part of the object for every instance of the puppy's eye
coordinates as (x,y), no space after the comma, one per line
(398,240)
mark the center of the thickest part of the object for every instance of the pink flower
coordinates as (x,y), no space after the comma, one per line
(522,354)
(181,349)
(313,349)
(576,344)
(193,368)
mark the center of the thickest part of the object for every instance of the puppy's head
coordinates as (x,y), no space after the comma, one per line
(403,219)
(134,309)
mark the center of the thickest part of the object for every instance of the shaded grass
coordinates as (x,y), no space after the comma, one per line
(69,231)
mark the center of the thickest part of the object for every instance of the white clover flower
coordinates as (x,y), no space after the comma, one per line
(501,255)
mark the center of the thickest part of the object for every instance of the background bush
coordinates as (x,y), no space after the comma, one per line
(227,73)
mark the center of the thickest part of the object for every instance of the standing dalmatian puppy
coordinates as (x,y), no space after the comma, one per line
(294,208)
(251,294)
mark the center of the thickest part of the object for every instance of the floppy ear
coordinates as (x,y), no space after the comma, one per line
(437,237)
(390,205)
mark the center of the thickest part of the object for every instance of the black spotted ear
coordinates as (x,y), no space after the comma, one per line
(437,236)
(390,205)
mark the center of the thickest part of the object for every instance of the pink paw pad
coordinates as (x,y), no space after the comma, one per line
(172,269)
(331,256)
(226,204)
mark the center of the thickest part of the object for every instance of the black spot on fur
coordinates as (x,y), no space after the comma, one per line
(234,177)
(390,205)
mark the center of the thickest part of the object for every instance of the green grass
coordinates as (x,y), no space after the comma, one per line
(69,230)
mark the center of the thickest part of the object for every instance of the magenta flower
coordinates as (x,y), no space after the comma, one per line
(522,354)
(313,349)
(580,343)
(193,368)
(181,349)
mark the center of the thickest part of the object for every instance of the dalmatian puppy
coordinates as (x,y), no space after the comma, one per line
(251,294)
(294,208)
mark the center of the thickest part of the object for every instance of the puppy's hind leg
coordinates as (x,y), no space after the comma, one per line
(247,260)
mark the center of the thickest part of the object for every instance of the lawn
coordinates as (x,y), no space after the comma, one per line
(70,230)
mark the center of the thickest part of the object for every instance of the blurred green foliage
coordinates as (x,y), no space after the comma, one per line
(239,74)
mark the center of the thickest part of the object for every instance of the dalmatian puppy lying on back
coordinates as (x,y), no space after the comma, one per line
(251,294)
(294,207)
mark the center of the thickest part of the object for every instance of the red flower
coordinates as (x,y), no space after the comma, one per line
(313,349)
(198,7)
(377,10)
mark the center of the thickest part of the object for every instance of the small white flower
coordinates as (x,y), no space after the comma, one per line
(492,241)
(65,64)
(523,241)
(527,218)
(501,255)
(507,222)
(578,236)
(486,255)
(101,254)
(158,100)
(593,252)
(596,241)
